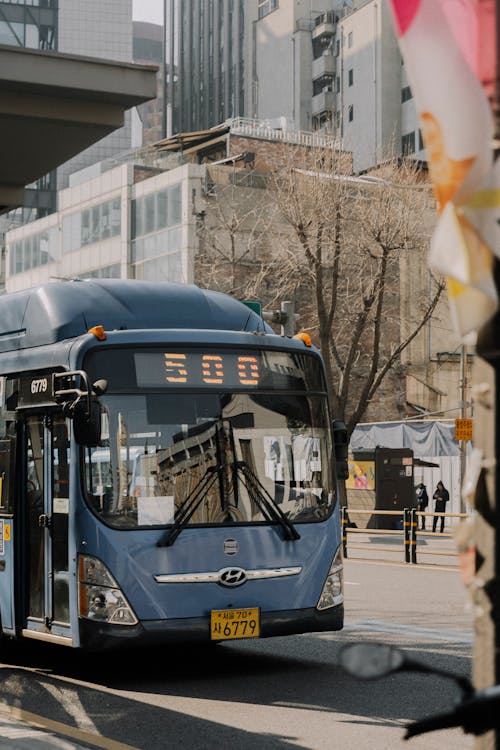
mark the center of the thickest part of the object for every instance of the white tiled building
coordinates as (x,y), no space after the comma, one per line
(112,226)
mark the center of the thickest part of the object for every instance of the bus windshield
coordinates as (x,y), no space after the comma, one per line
(157,449)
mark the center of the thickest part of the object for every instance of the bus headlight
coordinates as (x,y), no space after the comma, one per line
(99,596)
(333,588)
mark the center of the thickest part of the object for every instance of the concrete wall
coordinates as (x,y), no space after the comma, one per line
(275,65)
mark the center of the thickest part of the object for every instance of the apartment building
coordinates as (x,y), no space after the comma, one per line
(330,65)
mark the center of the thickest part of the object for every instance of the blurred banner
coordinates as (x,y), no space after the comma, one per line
(449,50)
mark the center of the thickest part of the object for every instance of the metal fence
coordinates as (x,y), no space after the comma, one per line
(408,535)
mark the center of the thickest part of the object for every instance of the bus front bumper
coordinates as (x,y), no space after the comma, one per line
(98,635)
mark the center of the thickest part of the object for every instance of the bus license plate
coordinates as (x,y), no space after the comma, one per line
(226,624)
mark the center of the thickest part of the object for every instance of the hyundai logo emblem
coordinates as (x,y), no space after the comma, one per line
(232,576)
(230,546)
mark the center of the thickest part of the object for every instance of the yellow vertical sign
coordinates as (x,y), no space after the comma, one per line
(463,429)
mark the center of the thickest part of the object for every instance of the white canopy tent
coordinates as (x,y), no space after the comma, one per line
(431,441)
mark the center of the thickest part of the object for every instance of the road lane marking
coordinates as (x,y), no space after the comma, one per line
(58,727)
(434,634)
(70,701)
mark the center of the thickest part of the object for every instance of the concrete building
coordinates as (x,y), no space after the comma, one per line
(208,54)
(331,66)
(148,48)
(116,225)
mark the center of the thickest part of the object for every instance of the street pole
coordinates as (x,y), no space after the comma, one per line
(288,318)
(486,395)
(164,74)
(285,316)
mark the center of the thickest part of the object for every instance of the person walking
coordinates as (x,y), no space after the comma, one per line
(441,496)
(422,502)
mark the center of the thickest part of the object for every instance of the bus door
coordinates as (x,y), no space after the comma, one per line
(47,451)
(7,474)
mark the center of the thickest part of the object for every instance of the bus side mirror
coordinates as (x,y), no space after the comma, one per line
(80,402)
(341,448)
(87,423)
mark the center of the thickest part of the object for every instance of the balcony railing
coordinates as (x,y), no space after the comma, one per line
(323,66)
(323,102)
(261,129)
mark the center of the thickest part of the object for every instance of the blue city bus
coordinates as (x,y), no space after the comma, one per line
(167,470)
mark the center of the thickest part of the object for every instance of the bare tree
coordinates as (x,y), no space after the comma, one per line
(337,245)
(233,230)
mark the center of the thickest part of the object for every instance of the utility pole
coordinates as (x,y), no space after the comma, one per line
(486,534)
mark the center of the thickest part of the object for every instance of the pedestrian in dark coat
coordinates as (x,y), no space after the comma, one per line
(441,496)
(422,502)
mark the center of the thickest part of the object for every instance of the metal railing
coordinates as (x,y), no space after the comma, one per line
(267,130)
(409,532)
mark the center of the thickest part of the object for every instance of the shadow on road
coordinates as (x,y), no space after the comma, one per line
(257,673)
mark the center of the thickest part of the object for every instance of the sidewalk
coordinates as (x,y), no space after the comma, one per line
(22,730)
(17,735)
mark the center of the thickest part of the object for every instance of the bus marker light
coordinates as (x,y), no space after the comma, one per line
(304,337)
(98,332)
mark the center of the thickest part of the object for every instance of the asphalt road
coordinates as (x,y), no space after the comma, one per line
(276,693)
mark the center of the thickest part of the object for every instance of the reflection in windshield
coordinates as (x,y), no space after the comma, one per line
(157,448)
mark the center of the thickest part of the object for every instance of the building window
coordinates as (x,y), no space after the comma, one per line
(349,39)
(34,251)
(337,48)
(350,76)
(406,94)
(91,225)
(350,112)
(156,211)
(408,144)
(337,84)
(267,6)
(421,144)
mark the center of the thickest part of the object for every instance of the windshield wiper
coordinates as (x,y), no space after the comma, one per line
(268,507)
(190,505)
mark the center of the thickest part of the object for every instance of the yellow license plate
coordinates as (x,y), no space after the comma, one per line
(226,624)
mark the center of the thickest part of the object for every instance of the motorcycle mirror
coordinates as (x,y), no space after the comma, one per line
(369,661)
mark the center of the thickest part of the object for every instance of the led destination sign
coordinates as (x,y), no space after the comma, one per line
(189,369)
(200,368)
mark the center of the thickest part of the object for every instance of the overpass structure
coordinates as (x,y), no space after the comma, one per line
(53,106)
